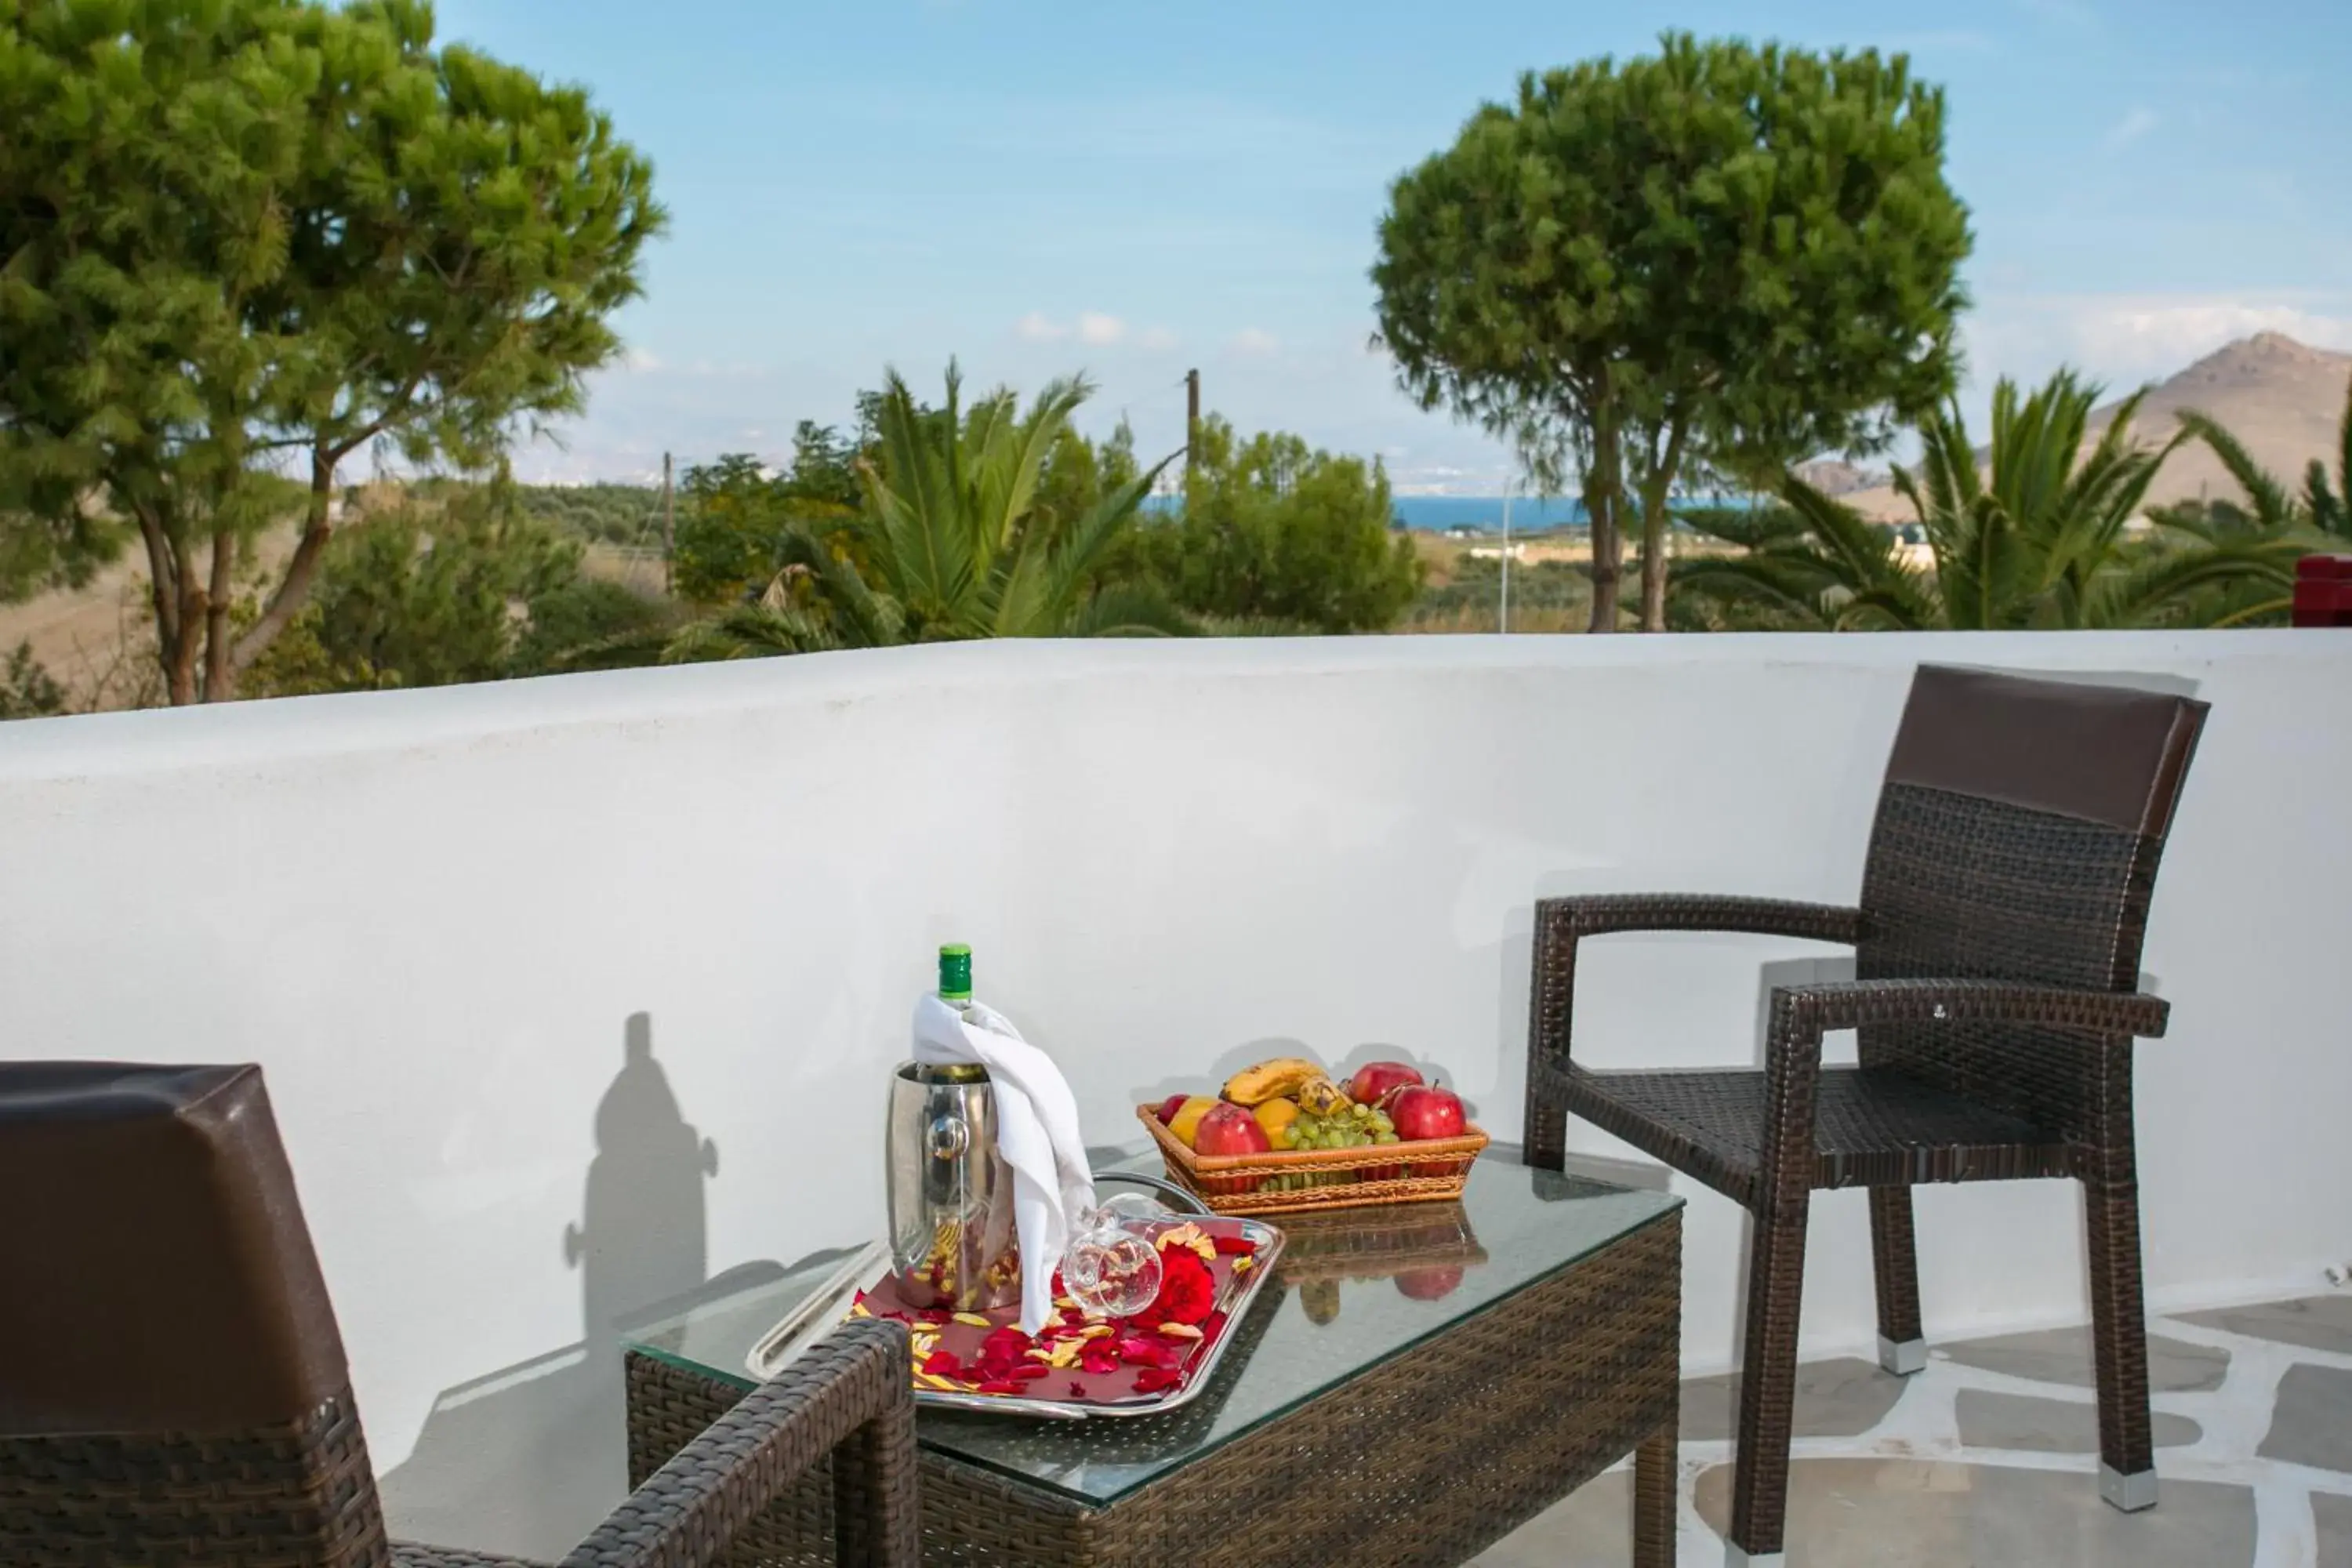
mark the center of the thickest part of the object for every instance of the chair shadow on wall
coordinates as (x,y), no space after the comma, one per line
(529,1458)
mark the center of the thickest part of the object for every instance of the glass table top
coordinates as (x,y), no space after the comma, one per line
(1354,1288)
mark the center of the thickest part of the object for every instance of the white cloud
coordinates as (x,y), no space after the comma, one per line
(1255,341)
(1038,328)
(1094,327)
(1157,338)
(2124,339)
(2130,128)
(640,359)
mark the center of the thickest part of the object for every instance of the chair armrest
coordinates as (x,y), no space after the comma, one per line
(1814,1010)
(1561,923)
(1801,1014)
(851,1395)
(1583,915)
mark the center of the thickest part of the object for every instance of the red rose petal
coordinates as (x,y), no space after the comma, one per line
(942,1364)
(1000,1385)
(1099,1366)
(1188,1290)
(1152,1380)
(1031,1372)
(1233,1245)
(1078,1389)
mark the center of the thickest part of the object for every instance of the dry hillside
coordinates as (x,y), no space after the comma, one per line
(2283,399)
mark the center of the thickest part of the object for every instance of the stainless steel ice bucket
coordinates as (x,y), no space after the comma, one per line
(952,1240)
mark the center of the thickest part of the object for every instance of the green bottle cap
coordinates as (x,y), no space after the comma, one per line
(955,973)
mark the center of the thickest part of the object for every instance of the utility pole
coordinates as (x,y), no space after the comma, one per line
(669,523)
(1503,617)
(1191,419)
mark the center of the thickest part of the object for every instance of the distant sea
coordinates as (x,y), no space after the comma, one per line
(1484,514)
(1435,514)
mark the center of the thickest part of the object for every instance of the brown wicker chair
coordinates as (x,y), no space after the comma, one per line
(173,1388)
(1998,947)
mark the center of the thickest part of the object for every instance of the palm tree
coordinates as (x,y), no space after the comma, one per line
(1811,565)
(2323,507)
(2043,541)
(948,543)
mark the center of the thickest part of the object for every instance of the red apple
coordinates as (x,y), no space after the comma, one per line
(1374,1081)
(1428,1284)
(1420,1112)
(1229,1129)
(1169,1107)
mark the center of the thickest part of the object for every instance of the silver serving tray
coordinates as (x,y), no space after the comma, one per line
(829,1307)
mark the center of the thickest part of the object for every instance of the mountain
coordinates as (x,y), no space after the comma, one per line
(2284,400)
(1832,478)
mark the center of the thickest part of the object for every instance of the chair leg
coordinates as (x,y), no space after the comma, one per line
(1768,1384)
(1895,1256)
(1545,1132)
(2119,1341)
(876,1521)
(1653,1497)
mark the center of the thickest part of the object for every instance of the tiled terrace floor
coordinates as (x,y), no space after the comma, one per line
(1987,1458)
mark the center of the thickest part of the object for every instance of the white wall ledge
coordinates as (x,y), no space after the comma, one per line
(431,914)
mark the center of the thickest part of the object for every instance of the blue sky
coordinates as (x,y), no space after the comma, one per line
(1039,186)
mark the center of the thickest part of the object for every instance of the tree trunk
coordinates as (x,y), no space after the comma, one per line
(175,635)
(1603,492)
(296,585)
(179,655)
(1653,568)
(220,671)
(1657,486)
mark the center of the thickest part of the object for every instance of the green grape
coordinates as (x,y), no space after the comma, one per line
(1360,1112)
(1387,1138)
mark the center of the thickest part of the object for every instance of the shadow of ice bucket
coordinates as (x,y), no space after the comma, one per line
(641,1237)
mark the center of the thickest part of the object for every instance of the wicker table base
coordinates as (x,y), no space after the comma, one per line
(1425,1458)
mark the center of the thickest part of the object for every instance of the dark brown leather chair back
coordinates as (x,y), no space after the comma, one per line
(170,1367)
(2018,837)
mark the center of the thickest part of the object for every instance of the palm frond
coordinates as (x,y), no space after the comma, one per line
(2157,589)
(2331,506)
(1777,587)
(862,617)
(2272,506)
(748,631)
(1130,610)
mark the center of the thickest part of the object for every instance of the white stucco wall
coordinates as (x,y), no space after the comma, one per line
(429,915)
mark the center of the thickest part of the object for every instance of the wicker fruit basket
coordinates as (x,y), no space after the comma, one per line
(1299,1181)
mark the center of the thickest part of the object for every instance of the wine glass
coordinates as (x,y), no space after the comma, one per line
(1111,1267)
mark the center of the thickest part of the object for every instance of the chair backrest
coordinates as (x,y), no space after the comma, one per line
(2018,836)
(173,1387)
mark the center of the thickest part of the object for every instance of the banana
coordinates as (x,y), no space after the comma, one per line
(1319,1095)
(1267,1081)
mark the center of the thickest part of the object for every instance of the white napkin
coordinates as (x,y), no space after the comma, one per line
(1036,1131)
